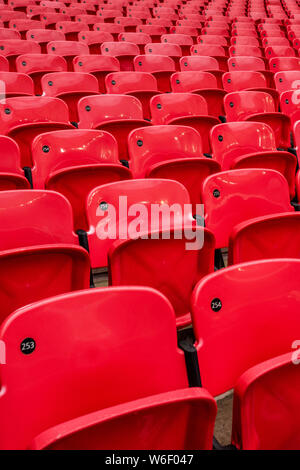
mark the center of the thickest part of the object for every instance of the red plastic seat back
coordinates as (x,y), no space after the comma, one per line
(43,36)
(198,63)
(241,50)
(265,414)
(287,80)
(29,109)
(289,104)
(279,51)
(67,49)
(13,83)
(11,175)
(117,310)
(159,260)
(240,104)
(233,139)
(126,429)
(168,106)
(246,63)
(235,81)
(192,81)
(171,50)
(231,310)
(58,83)
(6,33)
(274,236)
(153,63)
(35,63)
(124,51)
(59,150)
(152,145)
(44,218)
(278,64)
(124,82)
(147,193)
(256,192)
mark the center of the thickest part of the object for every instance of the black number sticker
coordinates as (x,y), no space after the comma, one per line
(216,304)
(28,346)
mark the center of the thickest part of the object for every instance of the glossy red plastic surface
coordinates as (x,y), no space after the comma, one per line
(287,80)
(44,250)
(70,87)
(202,63)
(173,152)
(142,85)
(278,64)
(265,412)
(73,162)
(142,192)
(234,196)
(244,50)
(218,52)
(147,423)
(279,51)
(203,83)
(4,64)
(11,175)
(15,84)
(67,49)
(113,377)
(257,319)
(258,106)
(123,51)
(251,145)
(160,66)
(157,262)
(273,236)
(185,109)
(117,114)
(36,65)
(97,65)
(22,118)
(11,48)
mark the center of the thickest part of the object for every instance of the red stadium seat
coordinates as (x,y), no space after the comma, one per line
(246,297)
(244,40)
(67,49)
(186,109)
(154,31)
(271,236)
(248,80)
(158,262)
(100,381)
(123,51)
(51,19)
(23,25)
(43,251)
(37,65)
(287,80)
(202,63)
(125,430)
(15,84)
(112,28)
(97,65)
(279,64)
(160,66)
(73,162)
(251,64)
(24,117)
(94,39)
(258,106)
(270,41)
(182,40)
(6,33)
(130,23)
(290,105)
(71,29)
(265,412)
(173,152)
(256,192)
(11,175)
(43,36)
(70,87)
(116,114)
(142,85)
(167,49)
(136,38)
(251,145)
(147,192)
(279,51)
(210,39)
(218,52)
(204,84)
(11,48)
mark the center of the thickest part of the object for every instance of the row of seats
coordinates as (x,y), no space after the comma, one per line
(188,111)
